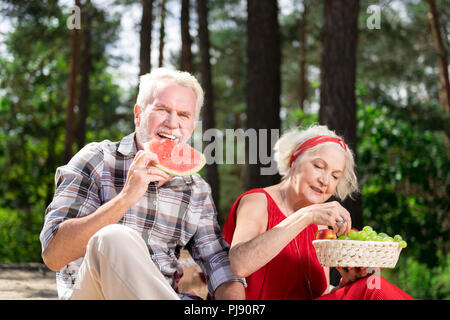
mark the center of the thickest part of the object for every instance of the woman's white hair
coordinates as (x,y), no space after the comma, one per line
(149,84)
(292,139)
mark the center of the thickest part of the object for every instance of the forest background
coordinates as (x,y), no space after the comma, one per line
(374,71)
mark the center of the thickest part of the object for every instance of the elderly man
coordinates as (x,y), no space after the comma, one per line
(116,225)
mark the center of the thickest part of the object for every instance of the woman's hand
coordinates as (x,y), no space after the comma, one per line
(350,275)
(329,214)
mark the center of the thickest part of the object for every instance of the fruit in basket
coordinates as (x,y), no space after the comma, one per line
(325,234)
(362,235)
(365,248)
(382,235)
(368,234)
(353,234)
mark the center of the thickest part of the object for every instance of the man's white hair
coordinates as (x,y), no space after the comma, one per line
(292,139)
(149,84)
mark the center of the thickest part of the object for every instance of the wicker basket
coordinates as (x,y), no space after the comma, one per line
(353,253)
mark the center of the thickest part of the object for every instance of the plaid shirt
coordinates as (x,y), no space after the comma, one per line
(179,214)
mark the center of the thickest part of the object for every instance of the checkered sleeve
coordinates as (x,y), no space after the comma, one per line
(208,247)
(77,191)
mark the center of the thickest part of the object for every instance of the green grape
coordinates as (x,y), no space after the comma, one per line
(398,238)
(370,237)
(362,235)
(373,234)
(378,238)
(367,229)
(344,237)
(353,234)
(389,239)
(382,235)
(403,244)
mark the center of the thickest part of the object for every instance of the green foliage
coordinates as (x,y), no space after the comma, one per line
(290,46)
(405,179)
(228,55)
(230,188)
(19,236)
(33,93)
(297,117)
(420,280)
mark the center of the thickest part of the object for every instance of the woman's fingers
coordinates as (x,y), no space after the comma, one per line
(341,225)
(342,218)
(351,274)
(332,214)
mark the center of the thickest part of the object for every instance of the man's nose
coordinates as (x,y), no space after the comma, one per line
(171,120)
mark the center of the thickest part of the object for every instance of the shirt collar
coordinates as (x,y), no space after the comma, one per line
(127,145)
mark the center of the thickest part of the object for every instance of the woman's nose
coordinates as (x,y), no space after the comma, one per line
(323,179)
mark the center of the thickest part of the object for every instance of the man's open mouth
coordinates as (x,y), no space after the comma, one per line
(167,136)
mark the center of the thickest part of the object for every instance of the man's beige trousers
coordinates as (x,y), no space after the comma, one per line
(117,266)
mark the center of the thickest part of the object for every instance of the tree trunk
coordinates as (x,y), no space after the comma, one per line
(145,37)
(186,41)
(235,81)
(162,33)
(303,83)
(85,71)
(208,121)
(338,72)
(444,95)
(72,93)
(263,84)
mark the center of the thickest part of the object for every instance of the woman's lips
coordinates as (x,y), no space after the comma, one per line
(317,190)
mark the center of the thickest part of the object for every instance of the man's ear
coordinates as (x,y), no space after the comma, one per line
(137,115)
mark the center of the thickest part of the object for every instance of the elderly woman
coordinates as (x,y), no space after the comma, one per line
(271,229)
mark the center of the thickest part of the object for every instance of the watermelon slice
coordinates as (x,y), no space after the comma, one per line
(176,159)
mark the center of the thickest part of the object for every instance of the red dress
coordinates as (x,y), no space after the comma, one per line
(295,273)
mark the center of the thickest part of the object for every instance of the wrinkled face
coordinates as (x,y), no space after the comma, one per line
(169,115)
(316,174)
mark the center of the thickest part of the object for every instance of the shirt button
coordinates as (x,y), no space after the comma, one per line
(154,202)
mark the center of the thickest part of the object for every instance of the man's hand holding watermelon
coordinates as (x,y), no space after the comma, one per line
(141,173)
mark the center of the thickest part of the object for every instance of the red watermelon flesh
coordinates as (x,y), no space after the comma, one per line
(176,159)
